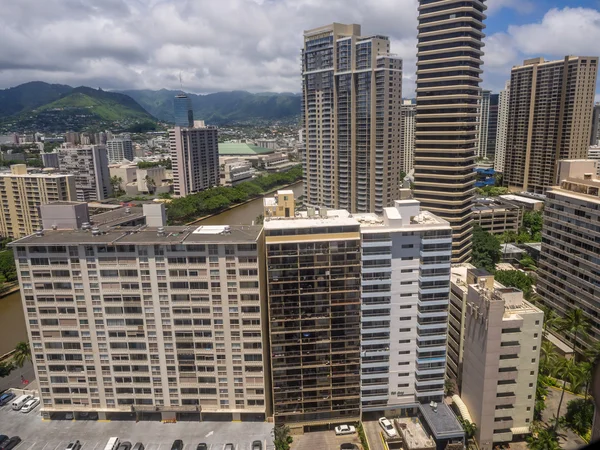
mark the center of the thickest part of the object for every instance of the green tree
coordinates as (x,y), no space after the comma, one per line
(486,250)
(543,439)
(527,263)
(282,438)
(541,392)
(516,279)
(470,428)
(579,415)
(150,184)
(533,222)
(22,353)
(548,357)
(568,371)
(115,182)
(449,387)
(8,270)
(6,368)
(575,324)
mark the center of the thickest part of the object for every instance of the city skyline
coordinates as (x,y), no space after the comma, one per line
(264,58)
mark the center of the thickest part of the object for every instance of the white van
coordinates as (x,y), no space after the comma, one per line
(19,402)
(113,444)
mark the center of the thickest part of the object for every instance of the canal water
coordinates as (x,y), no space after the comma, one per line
(12,322)
(245,214)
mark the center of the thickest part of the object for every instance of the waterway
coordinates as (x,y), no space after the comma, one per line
(12,322)
(245,214)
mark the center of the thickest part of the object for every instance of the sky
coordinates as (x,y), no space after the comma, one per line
(253,45)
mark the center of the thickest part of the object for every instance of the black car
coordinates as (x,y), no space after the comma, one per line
(257,445)
(202,446)
(6,397)
(75,445)
(125,445)
(348,446)
(10,443)
(177,445)
(3,437)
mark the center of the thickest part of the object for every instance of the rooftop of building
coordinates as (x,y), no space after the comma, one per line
(116,216)
(510,249)
(482,205)
(143,235)
(458,275)
(242,149)
(520,198)
(413,434)
(22,171)
(442,421)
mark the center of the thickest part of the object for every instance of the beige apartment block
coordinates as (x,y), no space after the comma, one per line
(352,95)
(503,336)
(22,193)
(148,322)
(407,117)
(549,119)
(569,265)
(497,216)
(450,35)
(195,158)
(503,104)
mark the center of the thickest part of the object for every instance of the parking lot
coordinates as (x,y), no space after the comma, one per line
(56,434)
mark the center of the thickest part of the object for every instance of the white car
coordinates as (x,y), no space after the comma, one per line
(30,405)
(388,427)
(344,429)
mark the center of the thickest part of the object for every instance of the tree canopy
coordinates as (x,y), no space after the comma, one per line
(516,279)
(486,250)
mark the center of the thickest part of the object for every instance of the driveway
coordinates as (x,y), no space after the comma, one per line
(572,441)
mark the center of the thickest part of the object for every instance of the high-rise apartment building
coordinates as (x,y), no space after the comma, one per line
(406,257)
(352,92)
(503,105)
(492,133)
(408,113)
(195,158)
(314,285)
(484,111)
(595,136)
(569,267)
(22,193)
(119,150)
(89,164)
(163,322)
(184,115)
(503,337)
(448,76)
(594,154)
(549,119)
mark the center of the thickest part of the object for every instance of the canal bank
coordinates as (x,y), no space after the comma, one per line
(245,213)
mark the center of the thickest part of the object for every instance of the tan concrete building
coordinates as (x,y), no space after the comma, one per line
(22,193)
(352,93)
(503,337)
(446,139)
(569,267)
(407,117)
(497,216)
(549,119)
(153,322)
(195,158)
(314,289)
(503,104)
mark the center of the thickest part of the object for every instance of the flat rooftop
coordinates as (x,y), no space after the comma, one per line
(147,236)
(116,216)
(518,198)
(241,149)
(442,422)
(413,434)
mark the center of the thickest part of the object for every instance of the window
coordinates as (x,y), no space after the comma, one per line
(537,322)
(529,397)
(535,335)
(532,372)
(532,360)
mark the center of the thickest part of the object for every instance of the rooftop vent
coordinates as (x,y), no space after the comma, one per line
(39,233)
(95,231)
(85,226)
(161,231)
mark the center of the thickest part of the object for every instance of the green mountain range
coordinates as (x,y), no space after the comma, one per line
(60,108)
(222,107)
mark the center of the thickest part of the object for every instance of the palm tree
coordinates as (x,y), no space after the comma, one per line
(22,353)
(281,434)
(470,428)
(548,357)
(576,324)
(550,319)
(543,439)
(150,184)
(568,371)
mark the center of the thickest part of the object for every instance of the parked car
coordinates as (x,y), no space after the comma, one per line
(344,429)
(30,405)
(229,447)
(6,397)
(348,446)
(388,427)
(3,437)
(257,445)
(112,444)
(125,445)
(11,443)
(202,446)
(74,445)
(18,403)
(138,446)
(177,445)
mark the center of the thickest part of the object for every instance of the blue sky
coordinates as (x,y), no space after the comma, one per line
(252,45)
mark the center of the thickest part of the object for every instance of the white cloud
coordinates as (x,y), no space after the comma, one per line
(215,44)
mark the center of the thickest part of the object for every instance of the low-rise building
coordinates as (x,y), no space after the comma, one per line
(127,173)
(235,171)
(497,216)
(275,162)
(527,202)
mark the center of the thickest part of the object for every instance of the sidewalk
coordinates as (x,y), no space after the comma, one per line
(14,379)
